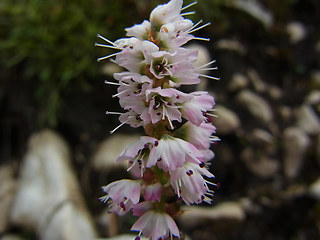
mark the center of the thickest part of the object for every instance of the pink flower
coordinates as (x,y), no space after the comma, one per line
(137,154)
(195,109)
(123,193)
(152,192)
(156,225)
(131,57)
(198,136)
(171,153)
(177,66)
(164,104)
(188,183)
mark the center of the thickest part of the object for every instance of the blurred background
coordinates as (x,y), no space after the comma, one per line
(56,151)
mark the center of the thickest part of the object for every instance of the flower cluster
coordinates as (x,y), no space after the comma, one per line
(169,164)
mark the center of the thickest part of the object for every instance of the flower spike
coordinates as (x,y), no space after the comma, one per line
(172,161)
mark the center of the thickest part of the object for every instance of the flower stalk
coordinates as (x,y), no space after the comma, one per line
(169,164)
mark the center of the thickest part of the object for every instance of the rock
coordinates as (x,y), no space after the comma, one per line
(308,120)
(313,97)
(227,120)
(238,81)
(48,198)
(11,237)
(258,84)
(7,191)
(232,45)
(263,139)
(256,105)
(296,32)
(262,166)
(295,146)
(195,216)
(314,190)
(256,10)
(104,158)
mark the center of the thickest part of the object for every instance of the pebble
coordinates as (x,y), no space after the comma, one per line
(258,84)
(238,81)
(256,105)
(104,157)
(314,189)
(296,32)
(227,120)
(256,10)
(261,166)
(48,198)
(232,45)
(308,120)
(194,216)
(296,143)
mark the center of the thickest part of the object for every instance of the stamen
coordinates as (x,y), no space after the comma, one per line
(203,26)
(119,93)
(207,64)
(114,113)
(202,39)
(106,46)
(111,83)
(105,57)
(195,25)
(210,77)
(208,69)
(107,40)
(211,115)
(187,13)
(112,131)
(191,4)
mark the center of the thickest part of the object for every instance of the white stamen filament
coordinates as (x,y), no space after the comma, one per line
(112,131)
(107,40)
(207,64)
(113,113)
(119,93)
(105,57)
(106,46)
(198,28)
(208,69)
(189,5)
(202,39)
(187,13)
(111,83)
(210,77)
(211,115)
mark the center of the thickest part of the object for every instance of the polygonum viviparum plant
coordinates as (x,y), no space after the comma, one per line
(169,163)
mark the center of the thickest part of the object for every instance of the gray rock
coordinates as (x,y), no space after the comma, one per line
(256,105)
(194,216)
(314,190)
(295,146)
(296,32)
(238,81)
(258,84)
(104,158)
(256,10)
(262,166)
(231,45)
(227,120)
(264,139)
(48,198)
(308,120)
